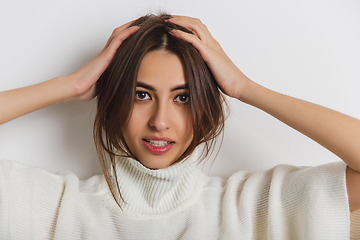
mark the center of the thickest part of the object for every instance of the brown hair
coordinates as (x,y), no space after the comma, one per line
(116,93)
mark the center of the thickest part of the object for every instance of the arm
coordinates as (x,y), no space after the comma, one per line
(337,132)
(17,102)
(79,85)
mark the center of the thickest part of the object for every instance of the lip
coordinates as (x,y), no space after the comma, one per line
(157,150)
(158,138)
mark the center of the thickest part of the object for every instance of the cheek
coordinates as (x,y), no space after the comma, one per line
(187,129)
(132,128)
(138,118)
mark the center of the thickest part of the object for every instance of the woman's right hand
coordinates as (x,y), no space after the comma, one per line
(82,82)
(79,85)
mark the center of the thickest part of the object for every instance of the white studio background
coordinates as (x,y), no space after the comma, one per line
(304,48)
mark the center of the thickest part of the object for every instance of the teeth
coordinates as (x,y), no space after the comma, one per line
(158,143)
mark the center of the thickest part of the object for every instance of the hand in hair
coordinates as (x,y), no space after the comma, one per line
(335,131)
(79,85)
(84,79)
(228,76)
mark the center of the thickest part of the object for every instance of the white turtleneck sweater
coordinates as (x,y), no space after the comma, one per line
(178,202)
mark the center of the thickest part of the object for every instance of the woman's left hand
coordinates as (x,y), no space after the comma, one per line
(228,76)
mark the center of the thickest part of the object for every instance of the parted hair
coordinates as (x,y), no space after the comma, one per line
(115,91)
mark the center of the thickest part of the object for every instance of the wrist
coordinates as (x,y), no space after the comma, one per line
(244,92)
(60,90)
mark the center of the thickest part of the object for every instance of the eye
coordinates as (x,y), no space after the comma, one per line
(142,95)
(182,98)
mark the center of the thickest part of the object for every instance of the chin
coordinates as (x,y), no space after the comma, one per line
(155,163)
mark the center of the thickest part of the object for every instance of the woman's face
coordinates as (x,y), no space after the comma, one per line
(160,127)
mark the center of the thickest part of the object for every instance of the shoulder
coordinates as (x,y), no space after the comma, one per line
(20,176)
(308,197)
(307,184)
(14,173)
(283,174)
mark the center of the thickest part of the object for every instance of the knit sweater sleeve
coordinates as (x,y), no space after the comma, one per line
(29,198)
(285,202)
(289,202)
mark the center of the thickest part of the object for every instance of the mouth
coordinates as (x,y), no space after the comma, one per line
(158,143)
(157,146)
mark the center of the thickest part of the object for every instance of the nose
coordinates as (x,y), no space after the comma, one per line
(161,116)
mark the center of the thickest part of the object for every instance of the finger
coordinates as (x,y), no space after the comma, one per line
(114,35)
(97,66)
(203,33)
(122,27)
(117,31)
(193,24)
(193,40)
(119,38)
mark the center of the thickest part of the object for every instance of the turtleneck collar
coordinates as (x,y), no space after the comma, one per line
(150,191)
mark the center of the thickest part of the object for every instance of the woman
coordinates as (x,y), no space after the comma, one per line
(147,150)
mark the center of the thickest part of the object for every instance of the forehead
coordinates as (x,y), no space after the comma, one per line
(161,68)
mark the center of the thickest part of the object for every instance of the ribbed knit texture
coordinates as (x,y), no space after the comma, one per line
(355,225)
(179,202)
(149,191)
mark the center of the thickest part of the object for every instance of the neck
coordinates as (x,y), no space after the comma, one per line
(152,191)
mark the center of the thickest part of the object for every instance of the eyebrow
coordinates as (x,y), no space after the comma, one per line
(151,88)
